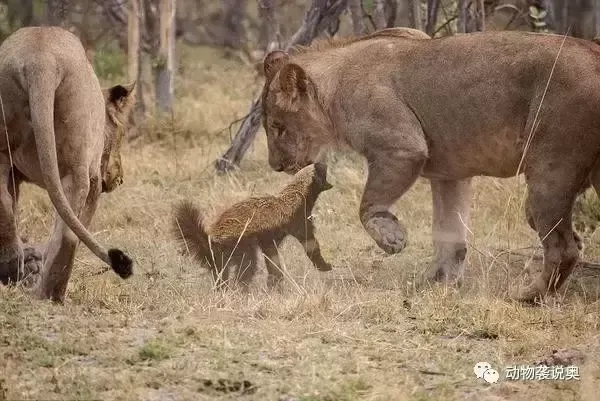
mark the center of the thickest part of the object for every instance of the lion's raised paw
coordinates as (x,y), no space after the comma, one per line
(387,232)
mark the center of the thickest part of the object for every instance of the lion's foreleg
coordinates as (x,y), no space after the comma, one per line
(391,174)
(60,252)
(451,210)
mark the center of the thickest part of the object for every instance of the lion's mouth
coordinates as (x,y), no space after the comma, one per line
(291,170)
(111,184)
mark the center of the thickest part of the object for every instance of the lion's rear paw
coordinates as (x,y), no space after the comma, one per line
(533,293)
(32,257)
(387,232)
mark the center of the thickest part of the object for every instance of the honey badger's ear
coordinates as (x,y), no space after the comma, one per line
(321,175)
(293,84)
(321,169)
(273,63)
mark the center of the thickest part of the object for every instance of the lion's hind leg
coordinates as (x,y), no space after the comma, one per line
(11,250)
(550,207)
(451,210)
(82,194)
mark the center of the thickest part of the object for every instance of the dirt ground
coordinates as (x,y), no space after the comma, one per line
(368,330)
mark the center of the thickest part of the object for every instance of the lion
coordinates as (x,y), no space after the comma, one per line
(255,224)
(64,134)
(448,109)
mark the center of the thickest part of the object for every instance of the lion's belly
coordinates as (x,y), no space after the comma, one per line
(493,155)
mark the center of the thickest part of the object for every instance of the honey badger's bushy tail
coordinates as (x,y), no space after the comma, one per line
(189,228)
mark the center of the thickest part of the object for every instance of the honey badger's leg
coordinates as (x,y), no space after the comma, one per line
(220,266)
(306,236)
(274,272)
(451,209)
(247,265)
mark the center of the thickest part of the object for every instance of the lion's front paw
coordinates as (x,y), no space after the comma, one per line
(387,232)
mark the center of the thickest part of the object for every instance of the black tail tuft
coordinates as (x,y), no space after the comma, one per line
(120,263)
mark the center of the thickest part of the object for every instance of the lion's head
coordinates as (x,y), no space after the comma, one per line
(294,119)
(119,101)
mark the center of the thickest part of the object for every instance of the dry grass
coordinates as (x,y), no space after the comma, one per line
(365,331)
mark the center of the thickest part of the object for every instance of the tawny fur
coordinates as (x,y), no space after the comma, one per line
(64,133)
(256,224)
(448,109)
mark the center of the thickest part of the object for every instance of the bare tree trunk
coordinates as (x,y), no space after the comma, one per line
(480,19)
(270,25)
(565,16)
(19,13)
(391,10)
(318,17)
(133,40)
(403,14)
(56,12)
(597,18)
(416,16)
(550,8)
(463,16)
(232,24)
(432,11)
(133,62)
(165,64)
(379,14)
(358,17)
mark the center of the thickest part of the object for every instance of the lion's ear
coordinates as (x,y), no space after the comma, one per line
(273,63)
(119,94)
(293,83)
(120,100)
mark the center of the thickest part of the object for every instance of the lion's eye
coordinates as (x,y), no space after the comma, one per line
(278,129)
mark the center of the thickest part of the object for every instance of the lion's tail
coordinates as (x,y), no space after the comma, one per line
(42,85)
(189,228)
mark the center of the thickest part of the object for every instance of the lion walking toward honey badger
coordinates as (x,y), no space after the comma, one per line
(257,224)
(448,109)
(62,132)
